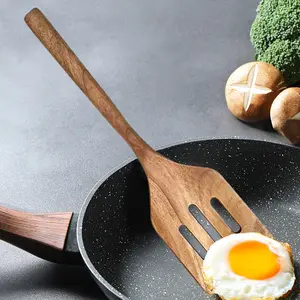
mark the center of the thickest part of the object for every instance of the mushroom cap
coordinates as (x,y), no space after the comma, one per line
(285,114)
(251,89)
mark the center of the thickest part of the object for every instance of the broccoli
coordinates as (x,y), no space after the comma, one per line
(285,56)
(275,35)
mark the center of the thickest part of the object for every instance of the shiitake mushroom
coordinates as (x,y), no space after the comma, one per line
(285,114)
(251,89)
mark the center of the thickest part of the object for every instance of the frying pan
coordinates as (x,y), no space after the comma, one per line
(113,237)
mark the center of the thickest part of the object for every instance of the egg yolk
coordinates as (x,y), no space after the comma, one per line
(253,260)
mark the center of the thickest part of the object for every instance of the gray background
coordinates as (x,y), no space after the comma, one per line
(164,63)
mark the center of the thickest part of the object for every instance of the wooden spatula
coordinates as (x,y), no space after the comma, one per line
(173,187)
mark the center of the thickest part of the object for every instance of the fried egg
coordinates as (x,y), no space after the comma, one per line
(248,266)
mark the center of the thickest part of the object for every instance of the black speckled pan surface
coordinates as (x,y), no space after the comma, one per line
(127,257)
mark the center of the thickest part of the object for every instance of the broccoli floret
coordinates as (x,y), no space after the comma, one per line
(285,56)
(259,36)
(267,6)
(277,20)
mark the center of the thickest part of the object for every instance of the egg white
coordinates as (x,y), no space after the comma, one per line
(221,280)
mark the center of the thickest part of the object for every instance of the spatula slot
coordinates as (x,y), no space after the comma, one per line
(226,216)
(202,220)
(190,238)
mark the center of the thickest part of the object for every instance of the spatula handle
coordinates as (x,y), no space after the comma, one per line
(63,54)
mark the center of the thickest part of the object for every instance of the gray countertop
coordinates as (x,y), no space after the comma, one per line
(164,63)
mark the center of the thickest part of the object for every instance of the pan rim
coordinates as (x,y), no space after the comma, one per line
(89,196)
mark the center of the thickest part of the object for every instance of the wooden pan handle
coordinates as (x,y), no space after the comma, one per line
(44,235)
(59,49)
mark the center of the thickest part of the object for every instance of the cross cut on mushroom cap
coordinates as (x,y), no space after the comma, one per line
(296,117)
(250,88)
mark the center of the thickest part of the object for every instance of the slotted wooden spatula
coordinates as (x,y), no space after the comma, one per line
(173,187)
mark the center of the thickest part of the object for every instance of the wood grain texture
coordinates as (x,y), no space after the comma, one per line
(173,187)
(62,53)
(174,190)
(48,229)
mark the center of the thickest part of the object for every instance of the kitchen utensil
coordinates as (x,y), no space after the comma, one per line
(174,188)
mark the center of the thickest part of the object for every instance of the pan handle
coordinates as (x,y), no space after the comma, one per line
(50,236)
